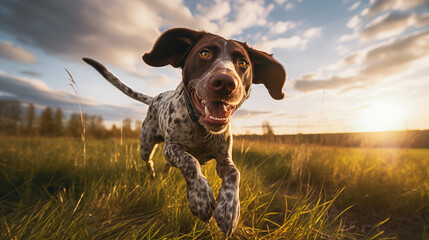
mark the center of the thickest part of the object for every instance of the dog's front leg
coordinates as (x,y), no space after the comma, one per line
(200,195)
(227,210)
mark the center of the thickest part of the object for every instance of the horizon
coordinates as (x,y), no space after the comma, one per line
(353,66)
(134,124)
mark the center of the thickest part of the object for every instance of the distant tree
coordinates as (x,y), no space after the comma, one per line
(10,116)
(137,125)
(101,129)
(1,117)
(46,122)
(16,112)
(126,128)
(91,125)
(95,126)
(74,126)
(58,123)
(30,120)
(267,129)
(114,131)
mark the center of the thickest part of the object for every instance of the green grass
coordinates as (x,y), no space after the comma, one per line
(286,192)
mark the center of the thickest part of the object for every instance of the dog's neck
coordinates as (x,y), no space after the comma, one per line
(189,105)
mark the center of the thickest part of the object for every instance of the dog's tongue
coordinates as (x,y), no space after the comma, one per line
(218,109)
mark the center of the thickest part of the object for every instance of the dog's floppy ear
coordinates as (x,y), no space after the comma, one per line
(268,71)
(172,47)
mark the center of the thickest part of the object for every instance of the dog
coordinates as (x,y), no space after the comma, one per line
(194,119)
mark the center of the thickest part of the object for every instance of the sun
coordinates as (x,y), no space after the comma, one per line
(383,116)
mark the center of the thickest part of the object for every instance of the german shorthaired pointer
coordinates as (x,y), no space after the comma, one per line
(193,120)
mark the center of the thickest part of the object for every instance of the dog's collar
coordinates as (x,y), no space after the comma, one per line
(189,105)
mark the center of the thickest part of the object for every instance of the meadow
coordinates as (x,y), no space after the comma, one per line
(50,188)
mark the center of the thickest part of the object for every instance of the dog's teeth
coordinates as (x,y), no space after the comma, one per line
(219,119)
(206,110)
(203,102)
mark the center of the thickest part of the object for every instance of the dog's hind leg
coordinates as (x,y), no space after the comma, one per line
(147,150)
(149,139)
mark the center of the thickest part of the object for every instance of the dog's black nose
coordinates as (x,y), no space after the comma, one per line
(223,83)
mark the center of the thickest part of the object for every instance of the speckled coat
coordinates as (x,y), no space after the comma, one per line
(191,142)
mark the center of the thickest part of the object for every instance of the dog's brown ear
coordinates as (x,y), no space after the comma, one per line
(268,71)
(172,47)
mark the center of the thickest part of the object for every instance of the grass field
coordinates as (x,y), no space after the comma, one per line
(48,191)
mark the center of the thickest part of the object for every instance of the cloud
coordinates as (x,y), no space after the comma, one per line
(312,33)
(29,90)
(353,22)
(341,49)
(115,32)
(395,57)
(31,73)
(118,34)
(289,6)
(378,6)
(392,24)
(216,12)
(248,14)
(281,114)
(243,113)
(163,80)
(348,37)
(174,13)
(280,2)
(12,52)
(282,27)
(294,42)
(352,88)
(84,28)
(421,20)
(380,61)
(354,6)
(331,83)
(364,12)
(376,63)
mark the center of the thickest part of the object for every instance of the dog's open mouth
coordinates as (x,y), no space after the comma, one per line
(213,112)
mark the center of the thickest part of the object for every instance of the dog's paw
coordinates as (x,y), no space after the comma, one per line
(200,198)
(227,210)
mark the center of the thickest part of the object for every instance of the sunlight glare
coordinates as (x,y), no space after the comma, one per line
(383,116)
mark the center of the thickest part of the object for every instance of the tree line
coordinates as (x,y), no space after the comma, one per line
(17,119)
(388,139)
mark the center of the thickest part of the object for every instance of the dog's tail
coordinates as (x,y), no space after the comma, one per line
(117,83)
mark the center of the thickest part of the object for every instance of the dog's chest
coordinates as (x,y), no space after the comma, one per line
(198,142)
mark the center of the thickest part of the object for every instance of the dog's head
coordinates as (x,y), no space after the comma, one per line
(217,73)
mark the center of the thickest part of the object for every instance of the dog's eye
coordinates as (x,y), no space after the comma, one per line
(242,63)
(205,54)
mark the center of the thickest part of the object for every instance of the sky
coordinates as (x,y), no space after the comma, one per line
(352,65)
